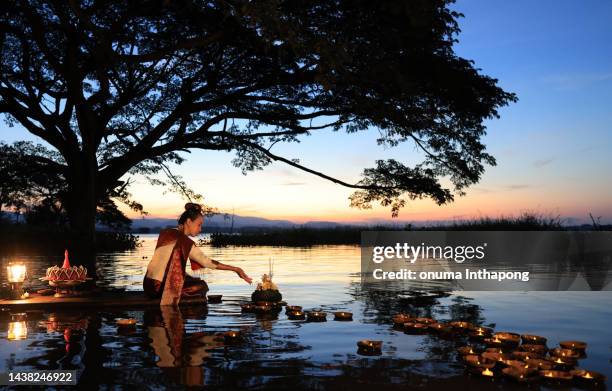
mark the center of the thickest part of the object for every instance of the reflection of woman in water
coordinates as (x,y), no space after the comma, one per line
(166,277)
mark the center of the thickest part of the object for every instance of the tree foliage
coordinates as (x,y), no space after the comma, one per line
(123,88)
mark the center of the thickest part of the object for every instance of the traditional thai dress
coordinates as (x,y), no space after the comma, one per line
(166,277)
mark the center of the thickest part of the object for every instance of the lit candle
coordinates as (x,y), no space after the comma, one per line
(291,308)
(575,345)
(232,336)
(343,316)
(316,316)
(295,315)
(487,372)
(368,347)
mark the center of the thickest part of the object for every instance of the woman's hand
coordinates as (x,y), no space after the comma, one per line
(243,275)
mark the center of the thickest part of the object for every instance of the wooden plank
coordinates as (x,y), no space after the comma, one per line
(97,299)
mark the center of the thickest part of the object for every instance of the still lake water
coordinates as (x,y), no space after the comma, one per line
(173,349)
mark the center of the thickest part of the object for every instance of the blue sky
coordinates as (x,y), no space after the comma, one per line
(552,147)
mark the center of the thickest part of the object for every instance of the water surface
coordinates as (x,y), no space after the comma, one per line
(172,348)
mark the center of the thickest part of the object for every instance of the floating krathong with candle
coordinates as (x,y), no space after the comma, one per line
(267,290)
(369,347)
(540,350)
(462,326)
(507,338)
(400,319)
(556,377)
(588,378)
(316,316)
(538,363)
(296,315)
(562,363)
(291,308)
(442,329)
(232,336)
(415,327)
(343,316)
(574,345)
(521,374)
(520,355)
(533,339)
(467,350)
(565,353)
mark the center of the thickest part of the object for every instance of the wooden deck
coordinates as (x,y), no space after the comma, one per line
(95,299)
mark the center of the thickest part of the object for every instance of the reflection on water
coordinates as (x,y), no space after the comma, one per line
(173,348)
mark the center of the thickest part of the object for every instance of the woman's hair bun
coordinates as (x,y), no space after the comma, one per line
(193,206)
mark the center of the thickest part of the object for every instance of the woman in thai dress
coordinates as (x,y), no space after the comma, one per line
(166,277)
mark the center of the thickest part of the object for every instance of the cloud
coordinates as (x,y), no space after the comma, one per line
(575,81)
(292,183)
(516,187)
(542,162)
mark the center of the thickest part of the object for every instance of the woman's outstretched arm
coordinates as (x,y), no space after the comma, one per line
(236,269)
(196,255)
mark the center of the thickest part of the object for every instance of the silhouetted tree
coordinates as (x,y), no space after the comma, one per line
(119,88)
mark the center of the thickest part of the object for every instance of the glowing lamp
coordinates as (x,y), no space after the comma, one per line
(17,328)
(16,275)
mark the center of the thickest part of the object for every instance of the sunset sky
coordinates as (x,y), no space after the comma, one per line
(553,147)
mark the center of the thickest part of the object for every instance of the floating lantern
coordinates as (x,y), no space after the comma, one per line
(462,326)
(214,299)
(507,339)
(536,349)
(472,360)
(526,355)
(565,353)
(493,356)
(493,342)
(533,339)
(296,315)
(343,316)
(316,316)
(126,322)
(400,319)
(553,376)
(562,364)
(513,363)
(520,374)
(415,328)
(467,350)
(16,275)
(480,334)
(291,308)
(574,345)
(425,320)
(17,328)
(538,363)
(368,347)
(232,336)
(588,378)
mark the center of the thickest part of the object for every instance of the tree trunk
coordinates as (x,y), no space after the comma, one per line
(81,210)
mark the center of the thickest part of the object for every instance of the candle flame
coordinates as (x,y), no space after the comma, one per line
(559,361)
(487,372)
(588,376)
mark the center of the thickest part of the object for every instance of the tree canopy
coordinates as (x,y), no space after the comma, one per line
(120,88)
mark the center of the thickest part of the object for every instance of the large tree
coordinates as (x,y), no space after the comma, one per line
(123,87)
